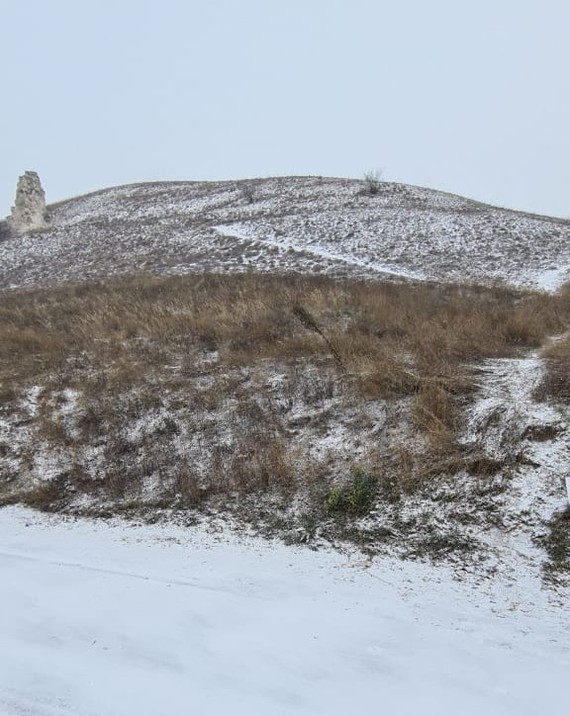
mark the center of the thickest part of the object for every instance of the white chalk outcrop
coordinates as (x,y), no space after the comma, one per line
(29,211)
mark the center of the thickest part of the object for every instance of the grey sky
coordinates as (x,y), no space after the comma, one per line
(467,96)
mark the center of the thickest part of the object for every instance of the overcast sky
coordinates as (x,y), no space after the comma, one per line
(468,96)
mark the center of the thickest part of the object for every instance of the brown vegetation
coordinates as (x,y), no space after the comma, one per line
(386,336)
(556,382)
(151,361)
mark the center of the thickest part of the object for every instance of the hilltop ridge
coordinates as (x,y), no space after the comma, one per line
(314,225)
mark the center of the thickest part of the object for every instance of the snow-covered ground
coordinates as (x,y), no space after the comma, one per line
(305,224)
(99,619)
(102,618)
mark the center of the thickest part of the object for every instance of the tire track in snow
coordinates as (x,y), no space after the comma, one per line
(175,582)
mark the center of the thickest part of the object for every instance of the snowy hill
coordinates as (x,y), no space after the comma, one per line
(305,224)
(415,434)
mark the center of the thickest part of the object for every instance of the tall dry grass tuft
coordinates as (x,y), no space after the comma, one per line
(253,468)
(555,384)
(435,413)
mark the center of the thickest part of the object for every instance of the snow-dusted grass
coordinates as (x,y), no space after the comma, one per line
(313,409)
(531,441)
(303,224)
(556,383)
(113,619)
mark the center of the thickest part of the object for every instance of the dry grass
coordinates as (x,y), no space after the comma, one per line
(386,336)
(556,382)
(124,346)
(557,544)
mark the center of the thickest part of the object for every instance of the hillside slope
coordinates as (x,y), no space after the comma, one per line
(303,224)
(423,418)
(419,419)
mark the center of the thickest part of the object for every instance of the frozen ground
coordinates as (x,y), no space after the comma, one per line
(305,224)
(101,619)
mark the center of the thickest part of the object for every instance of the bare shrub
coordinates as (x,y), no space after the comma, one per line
(247,193)
(372,182)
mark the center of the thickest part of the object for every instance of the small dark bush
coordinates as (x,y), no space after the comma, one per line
(247,192)
(355,498)
(372,183)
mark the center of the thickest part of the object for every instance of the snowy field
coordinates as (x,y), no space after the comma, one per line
(99,619)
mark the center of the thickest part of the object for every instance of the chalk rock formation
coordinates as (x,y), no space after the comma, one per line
(29,210)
